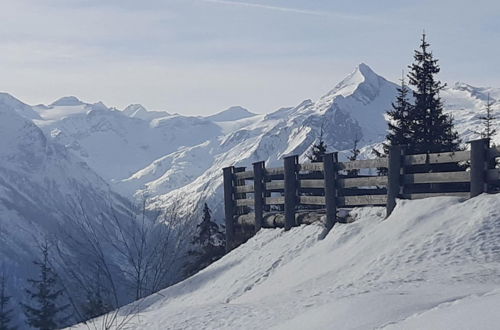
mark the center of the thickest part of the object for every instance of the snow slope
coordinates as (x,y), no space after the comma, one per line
(433,264)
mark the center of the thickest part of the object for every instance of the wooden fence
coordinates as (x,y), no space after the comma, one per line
(279,197)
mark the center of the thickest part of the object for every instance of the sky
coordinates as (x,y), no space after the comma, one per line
(198,57)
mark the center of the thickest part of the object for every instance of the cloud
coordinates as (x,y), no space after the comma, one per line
(329,14)
(277,8)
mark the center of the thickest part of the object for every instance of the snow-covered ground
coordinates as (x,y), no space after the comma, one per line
(433,264)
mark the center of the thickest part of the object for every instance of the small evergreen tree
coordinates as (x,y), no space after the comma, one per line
(400,123)
(44,313)
(209,243)
(318,149)
(431,130)
(488,121)
(5,311)
(354,156)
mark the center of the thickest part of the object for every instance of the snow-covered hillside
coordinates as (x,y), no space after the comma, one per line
(433,264)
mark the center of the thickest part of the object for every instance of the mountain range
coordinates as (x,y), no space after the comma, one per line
(58,156)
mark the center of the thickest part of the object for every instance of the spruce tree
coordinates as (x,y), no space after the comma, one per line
(44,313)
(318,149)
(317,152)
(208,243)
(5,310)
(354,156)
(399,124)
(431,130)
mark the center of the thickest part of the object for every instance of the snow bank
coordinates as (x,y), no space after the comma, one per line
(433,264)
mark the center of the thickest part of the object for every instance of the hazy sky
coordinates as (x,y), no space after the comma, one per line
(201,56)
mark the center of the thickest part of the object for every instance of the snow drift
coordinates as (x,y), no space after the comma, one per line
(433,264)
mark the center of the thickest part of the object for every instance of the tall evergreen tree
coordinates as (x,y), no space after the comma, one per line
(5,310)
(209,243)
(318,149)
(431,129)
(399,124)
(45,312)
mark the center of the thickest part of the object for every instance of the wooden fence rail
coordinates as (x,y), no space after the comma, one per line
(269,197)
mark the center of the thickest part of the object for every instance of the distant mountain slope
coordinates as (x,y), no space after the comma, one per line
(433,264)
(140,112)
(354,109)
(10,103)
(116,145)
(231,114)
(48,194)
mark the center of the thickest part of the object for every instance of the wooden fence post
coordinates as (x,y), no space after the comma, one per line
(478,166)
(259,191)
(394,173)
(229,206)
(330,179)
(290,190)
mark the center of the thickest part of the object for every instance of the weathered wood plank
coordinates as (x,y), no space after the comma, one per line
(312,200)
(428,195)
(244,202)
(229,209)
(244,175)
(443,177)
(363,200)
(244,189)
(394,171)
(311,167)
(330,177)
(259,192)
(275,200)
(362,182)
(275,171)
(438,158)
(493,175)
(364,163)
(275,185)
(312,183)
(494,152)
(478,166)
(291,186)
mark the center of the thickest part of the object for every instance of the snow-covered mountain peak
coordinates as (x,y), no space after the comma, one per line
(11,104)
(132,108)
(362,75)
(67,101)
(139,111)
(231,114)
(99,106)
